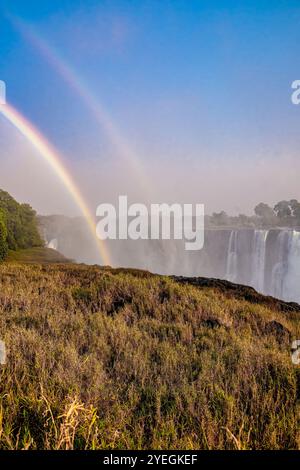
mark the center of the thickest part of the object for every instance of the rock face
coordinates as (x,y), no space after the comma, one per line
(240,292)
(281,333)
(211,323)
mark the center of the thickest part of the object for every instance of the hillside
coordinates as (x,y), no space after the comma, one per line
(36,255)
(101,358)
(18,226)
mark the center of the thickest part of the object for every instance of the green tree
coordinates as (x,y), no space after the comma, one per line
(266,215)
(3,237)
(219,218)
(283,210)
(21,223)
(295,207)
(264,211)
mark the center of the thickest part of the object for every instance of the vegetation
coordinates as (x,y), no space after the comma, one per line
(3,236)
(18,226)
(102,359)
(283,214)
(122,359)
(36,255)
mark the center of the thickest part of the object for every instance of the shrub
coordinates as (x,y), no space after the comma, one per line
(3,237)
(21,224)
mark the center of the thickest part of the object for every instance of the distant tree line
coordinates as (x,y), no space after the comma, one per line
(283,214)
(18,225)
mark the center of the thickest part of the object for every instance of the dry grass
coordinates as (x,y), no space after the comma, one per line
(102,359)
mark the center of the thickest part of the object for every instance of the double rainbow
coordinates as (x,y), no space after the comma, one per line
(93,104)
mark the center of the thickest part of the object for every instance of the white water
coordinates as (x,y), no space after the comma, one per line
(291,287)
(267,260)
(232,257)
(285,272)
(280,268)
(53,244)
(258,259)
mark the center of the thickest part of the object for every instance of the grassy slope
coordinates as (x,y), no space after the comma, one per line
(123,359)
(36,255)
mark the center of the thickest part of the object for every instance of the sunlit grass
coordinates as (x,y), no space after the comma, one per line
(36,255)
(103,359)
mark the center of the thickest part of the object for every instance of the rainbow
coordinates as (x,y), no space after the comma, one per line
(54,159)
(77,84)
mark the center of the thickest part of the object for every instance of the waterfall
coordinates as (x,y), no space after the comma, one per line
(232,257)
(291,286)
(268,260)
(258,259)
(280,268)
(53,244)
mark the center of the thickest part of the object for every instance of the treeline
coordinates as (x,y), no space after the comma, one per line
(283,214)
(18,226)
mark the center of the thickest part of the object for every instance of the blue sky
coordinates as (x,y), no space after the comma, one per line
(189,84)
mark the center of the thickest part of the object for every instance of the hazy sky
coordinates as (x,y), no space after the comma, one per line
(197,95)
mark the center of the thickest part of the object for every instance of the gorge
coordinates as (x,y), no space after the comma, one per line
(266,259)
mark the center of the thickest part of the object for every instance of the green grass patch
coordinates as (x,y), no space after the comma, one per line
(36,255)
